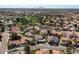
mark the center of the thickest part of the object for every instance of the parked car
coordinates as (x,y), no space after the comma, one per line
(41,41)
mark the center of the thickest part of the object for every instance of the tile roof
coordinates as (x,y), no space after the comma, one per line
(18,42)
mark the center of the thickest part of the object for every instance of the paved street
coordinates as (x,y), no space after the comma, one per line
(3,46)
(18,50)
(49,47)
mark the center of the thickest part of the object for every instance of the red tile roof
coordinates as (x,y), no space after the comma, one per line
(18,42)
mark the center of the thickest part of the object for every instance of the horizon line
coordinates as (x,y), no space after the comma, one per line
(41,6)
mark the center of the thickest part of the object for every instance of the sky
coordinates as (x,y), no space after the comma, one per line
(39,2)
(40,6)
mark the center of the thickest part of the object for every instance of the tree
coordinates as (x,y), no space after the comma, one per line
(11,46)
(0,37)
(34,20)
(21,21)
(68,49)
(24,21)
(32,42)
(14,36)
(2,29)
(27,49)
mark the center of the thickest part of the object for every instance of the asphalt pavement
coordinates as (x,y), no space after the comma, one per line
(3,44)
(45,46)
